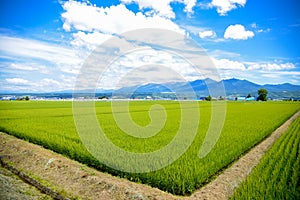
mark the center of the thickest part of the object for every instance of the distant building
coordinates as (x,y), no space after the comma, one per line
(8,98)
(230,98)
(251,99)
(241,99)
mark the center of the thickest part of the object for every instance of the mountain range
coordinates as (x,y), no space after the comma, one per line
(233,87)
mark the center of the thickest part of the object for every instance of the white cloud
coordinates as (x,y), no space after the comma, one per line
(53,84)
(276,77)
(70,69)
(189,5)
(49,81)
(95,25)
(209,33)
(162,7)
(258,29)
(44,85)
(271,66)
(254,25)
(237,32)
(193,29)
(224,6)
(264,30)
(22,67)
(258,72)
(40,62)
(253,66)
(110,20)
(293,73)
(17,81)
(223,54)
(12,47)
(159,7)
(90,40)
(149,65)
(228,64)
(29,67)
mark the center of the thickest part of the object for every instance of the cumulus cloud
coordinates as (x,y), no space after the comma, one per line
(207,34)
(110,20)
(93,25)
(224,6)
(162,7)
(230,64)
(158,7)
(237,32)
(189,5)
(226,64)
(17,81)
(89,40)
(147,65)
(272,73)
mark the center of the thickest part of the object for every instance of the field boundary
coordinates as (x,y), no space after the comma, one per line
(82,182)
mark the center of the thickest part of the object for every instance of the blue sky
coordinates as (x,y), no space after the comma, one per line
(43,44)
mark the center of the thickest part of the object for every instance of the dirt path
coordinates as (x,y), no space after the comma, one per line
(75,181)
(68,177)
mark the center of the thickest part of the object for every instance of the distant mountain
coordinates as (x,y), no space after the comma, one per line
(236,86)
(148,88)
(287,87)
(244,87)
(233,87)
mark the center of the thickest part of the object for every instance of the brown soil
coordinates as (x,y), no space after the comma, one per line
(77,181)
(12,187)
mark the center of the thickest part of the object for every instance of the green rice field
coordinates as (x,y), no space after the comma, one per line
(51,124)
(278,174)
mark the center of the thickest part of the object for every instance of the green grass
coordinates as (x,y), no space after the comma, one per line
(277,176)
(51,125)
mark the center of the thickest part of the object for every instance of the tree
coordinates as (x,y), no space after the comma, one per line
(262,94)
(249,96)
(27,98)
(208,98)
(103,97)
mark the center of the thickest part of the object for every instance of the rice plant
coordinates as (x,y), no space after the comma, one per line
(51,125)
